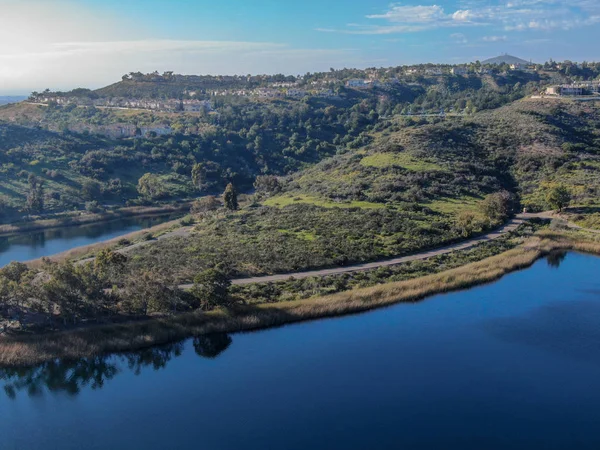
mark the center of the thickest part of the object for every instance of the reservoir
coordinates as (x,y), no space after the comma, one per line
(37,244)
(513,364)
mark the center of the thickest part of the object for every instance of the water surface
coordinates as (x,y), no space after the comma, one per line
(514,364)
(36,244)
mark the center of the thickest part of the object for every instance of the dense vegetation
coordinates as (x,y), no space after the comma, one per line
(329,182)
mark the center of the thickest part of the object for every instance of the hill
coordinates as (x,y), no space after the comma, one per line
(505,59)
(107,150)
(416,185)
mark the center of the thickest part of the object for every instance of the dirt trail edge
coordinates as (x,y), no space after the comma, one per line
(508,227)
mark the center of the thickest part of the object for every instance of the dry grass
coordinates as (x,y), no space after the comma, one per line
(130,336)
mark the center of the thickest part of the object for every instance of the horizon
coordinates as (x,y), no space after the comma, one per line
(91,43)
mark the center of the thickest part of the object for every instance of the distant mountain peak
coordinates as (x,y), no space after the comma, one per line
(505,59)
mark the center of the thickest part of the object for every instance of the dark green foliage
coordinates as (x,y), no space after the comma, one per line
(151,187)
(150,292)
(496,207)
(318,286)
(558,197)
(205,204)
(268,240)
(75,290)
(35,195)
(230,198)
(267,184)
(211,288)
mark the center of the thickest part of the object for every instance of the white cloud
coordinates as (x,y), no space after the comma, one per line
(512,15)
(459,38)
(494,38)
(412,14)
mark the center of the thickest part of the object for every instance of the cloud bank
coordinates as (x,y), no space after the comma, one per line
(512,15)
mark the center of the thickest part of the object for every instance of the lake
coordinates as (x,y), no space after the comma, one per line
(514,364)
(36,244)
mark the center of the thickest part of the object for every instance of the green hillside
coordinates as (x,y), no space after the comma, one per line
(414,186)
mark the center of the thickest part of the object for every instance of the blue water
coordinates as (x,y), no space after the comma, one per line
(514,364)
(33,245)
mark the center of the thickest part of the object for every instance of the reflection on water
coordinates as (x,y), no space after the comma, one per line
(70,376)
(33,245)
(555,258)
(569,328)
(509,365)
(211,346)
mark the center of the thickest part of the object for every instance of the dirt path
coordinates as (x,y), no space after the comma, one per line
(182,232)
(510,226)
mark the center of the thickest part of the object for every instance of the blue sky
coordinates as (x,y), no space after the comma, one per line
(68,43)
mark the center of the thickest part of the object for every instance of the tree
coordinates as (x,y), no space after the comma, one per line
(109,264)
(230,197)
(150,186)
(267,184)
(75,289)
(3,207)
(465,223)
(198,175)
(15,290)
(497,206)
(205,204)
(91,190)
(211,288)
(206,175)
(35,195)
(150,292)
(558,197)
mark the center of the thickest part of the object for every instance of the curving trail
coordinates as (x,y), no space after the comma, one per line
(508,227)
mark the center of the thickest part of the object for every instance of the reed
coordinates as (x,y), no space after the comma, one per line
(29,350)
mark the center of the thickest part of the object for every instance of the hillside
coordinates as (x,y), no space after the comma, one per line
(104,151)
(415,186)
(324,183)
(358,178)
(505,59)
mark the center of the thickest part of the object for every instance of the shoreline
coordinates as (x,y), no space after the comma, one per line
(76,254)
(17,228)
(115,338)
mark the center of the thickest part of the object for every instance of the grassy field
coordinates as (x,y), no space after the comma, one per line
(15,351)
(282,201)
(404,160)
(455,205)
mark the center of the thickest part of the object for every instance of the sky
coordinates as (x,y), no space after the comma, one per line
(64,44)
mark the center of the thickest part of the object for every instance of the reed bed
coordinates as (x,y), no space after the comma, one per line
(30,350)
